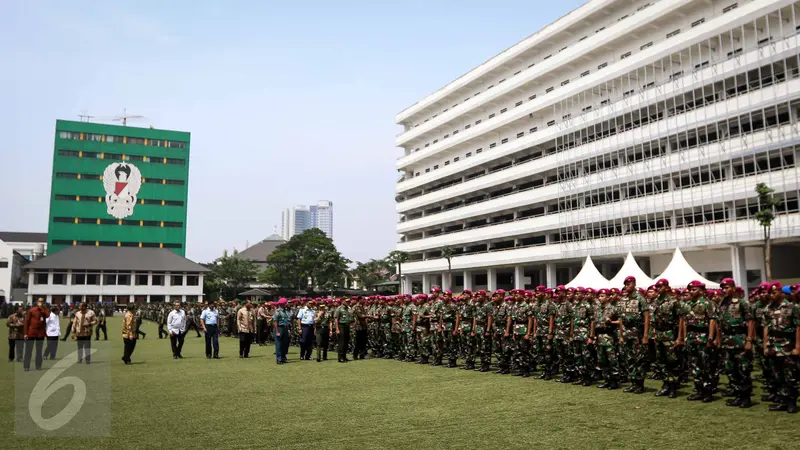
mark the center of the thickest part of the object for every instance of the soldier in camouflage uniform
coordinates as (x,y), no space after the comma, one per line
(422,326)
(449,312)
(605,334)
(409,330)
(737,329)
(435,304)
(383,319)
(322,328)
(396,311)
(464,322)
(223,317)
(782,347)
(635,325)
(562,353)
(656,368)
(361,326)
(522,326)
(759,303)
(701,325)
(481,331)
(582,314)
(667,326)
(544,322)
(500,324)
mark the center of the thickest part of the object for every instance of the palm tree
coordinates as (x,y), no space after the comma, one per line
(398,257)
(447,253)
(767,202)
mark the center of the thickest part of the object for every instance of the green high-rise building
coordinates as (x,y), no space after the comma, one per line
(118,186)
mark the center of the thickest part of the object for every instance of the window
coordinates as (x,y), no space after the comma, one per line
(468,154)
(158,280)
(192,280)
(674,33)
(532,97)
(455,132)
(623,17)
(4,264)
(627,93)
(68,135)
(503,110)
(551,123)
(582,38)
(155,142)
(588,108)
(142,279)
(39,277)
(518,104)
(516,73)
(625,55)
(520,134)
(698,22)
(78,278)
(605,102)
(68,153)
(93,137)
(565,82)
(585,73)
(533,130)
(456,159)
(427,170)
(173,144)
(547,57)
(491,115)
(676,75)
(729,8)
(446,136)
(648,45)
(138,141)
(123,279)
(59,278)
(504,141)
(178,182)
(602,66)
(117,139)
(701,65)
(477,122)
(649,85)
(447,163)
(734,53)
(93,279)
(601,29)
(643,7)
(478,151)
(766,40)
(490,86)
(566,117)
(549,90)
(110,279)
(468,126)
(493,145)
(501,81)
(177,161)
(176,280)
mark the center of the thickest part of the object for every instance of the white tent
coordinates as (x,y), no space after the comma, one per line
(680,273)
(631,269)
(589,277)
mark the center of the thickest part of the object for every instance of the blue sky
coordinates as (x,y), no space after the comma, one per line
(287,102)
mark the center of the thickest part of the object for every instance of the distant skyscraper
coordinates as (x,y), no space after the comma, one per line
(299,218)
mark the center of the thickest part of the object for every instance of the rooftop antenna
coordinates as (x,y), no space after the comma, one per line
(125,117)
(274,229)
(85,117)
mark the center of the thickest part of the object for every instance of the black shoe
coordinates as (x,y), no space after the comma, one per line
(604,385)
(734,402)
(436,363)
(630,388)
(27,369)
(673,390)
(80,361)
(613,386)
(484,368)
(542,376)
(319,360)
(779,407)
(638,387)
(526,374)
(505,371)
(665,388)
(587,383)
(577,382)
(174,356)
(769,398)
(208,357)
(745,401)
(180,356)
(791,408)
(216,356)
(707,398)
(695,397)
(727,392)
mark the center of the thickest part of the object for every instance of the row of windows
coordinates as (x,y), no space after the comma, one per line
(712,133)
(90,176)
(117,244)
(134,223)
(733,86)
(114,279)
(121,157)
(141,201)
(76,136)
(626,94)
(529,67)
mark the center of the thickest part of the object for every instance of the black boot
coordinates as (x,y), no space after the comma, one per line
(437,362)
(791,406)
(484,367)
(708,394)
(673,389)
(639,389)
(423,360)
(630,388)
(698,392)
(744,400)
(451,363)
(736,401)
(780,405)
(769,398)
(613,385)
(665,387)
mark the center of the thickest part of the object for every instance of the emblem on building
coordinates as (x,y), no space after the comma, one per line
(121,182)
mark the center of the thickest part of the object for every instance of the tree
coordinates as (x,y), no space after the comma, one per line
(373,272)
(307,261)
(767,202)
(397,258)
(448,253)
(233,272)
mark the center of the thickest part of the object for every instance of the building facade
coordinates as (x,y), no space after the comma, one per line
(623,126)
(117,275)
(16,250)
(118,186)
(300,218)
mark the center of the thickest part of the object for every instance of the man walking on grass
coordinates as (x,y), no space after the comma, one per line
(209,319)
(176,327)
(245,322)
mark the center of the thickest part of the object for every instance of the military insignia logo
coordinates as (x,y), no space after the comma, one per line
(122,182)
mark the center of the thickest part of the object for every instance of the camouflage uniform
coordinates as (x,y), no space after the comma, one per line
(633,356)
(782,319)
(542,346)
(699,313)
(760,309)
(606,338)
(466,339)
(734,315)
(502,344)
(409,334)
(449,312)
(385,335)
(435,331)
(482,333)
(582,314)
(666,316)
(520,315)
(423,332)
(561,350)
(398,348)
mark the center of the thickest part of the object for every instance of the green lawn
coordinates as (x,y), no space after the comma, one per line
(254,403)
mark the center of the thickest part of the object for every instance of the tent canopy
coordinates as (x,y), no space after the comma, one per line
(631,269)
(589,277)
(679,273)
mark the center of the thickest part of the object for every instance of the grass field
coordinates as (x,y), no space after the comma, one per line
(254,403)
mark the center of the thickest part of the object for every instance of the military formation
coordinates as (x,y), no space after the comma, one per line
(606,337)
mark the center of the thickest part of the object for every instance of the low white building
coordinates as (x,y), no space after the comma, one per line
(115,274)
(16,249)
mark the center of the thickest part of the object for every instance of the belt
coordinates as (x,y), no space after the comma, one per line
(521,322)
(783,334)
(736,330)
(663,329)
(603,330)
(631,323)
(307,325)
(697,328)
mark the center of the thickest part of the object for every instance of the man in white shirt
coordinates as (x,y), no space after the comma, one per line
(53,330)
(305,318)
(176,327)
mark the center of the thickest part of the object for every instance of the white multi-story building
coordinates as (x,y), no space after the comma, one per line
(623,126)
(300,218)
(16,250)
